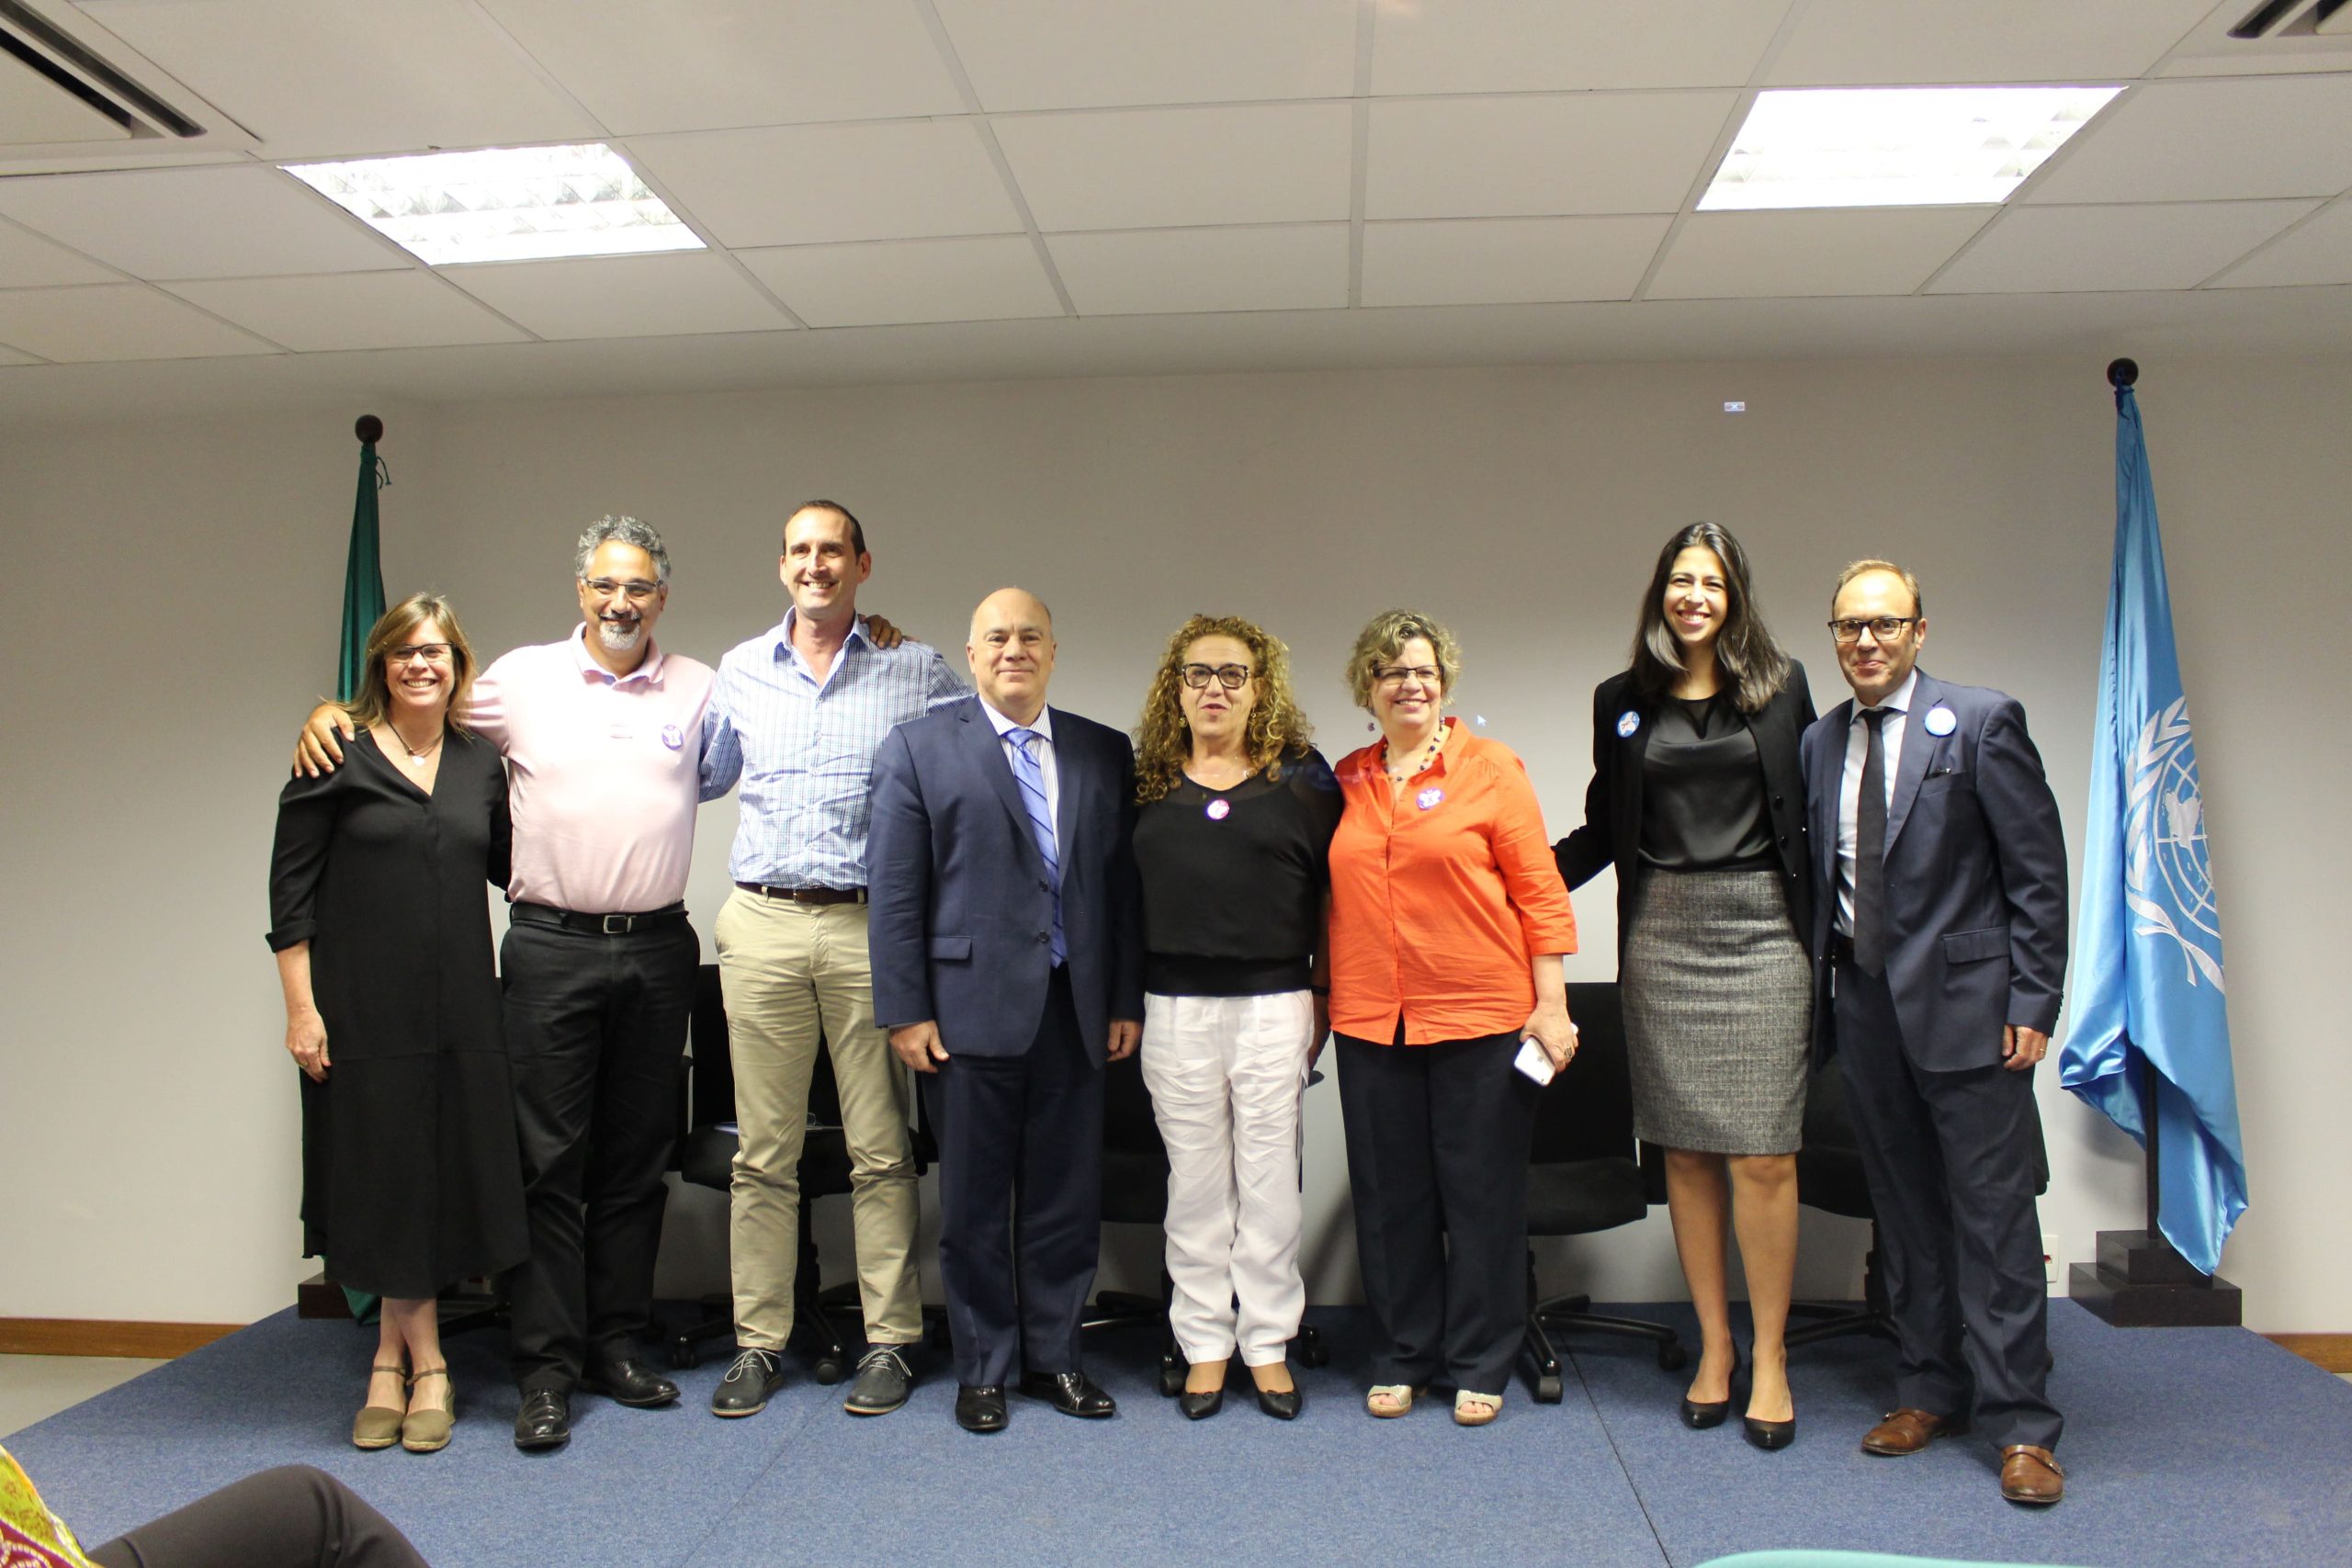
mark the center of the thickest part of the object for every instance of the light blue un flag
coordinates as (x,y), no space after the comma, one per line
(2149,995)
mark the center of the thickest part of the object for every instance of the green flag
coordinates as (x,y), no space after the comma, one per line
(363,572)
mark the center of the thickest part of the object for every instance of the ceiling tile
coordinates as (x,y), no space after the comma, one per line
(1169,168)
(2065,250)
(1748,256)
(2210,142)
(352,309)
(813,185)
(646,65)
(2319,252)
(1152,272)
(1058,54)
(908,280)
(242,220)
(27,261)
(319,80)
(1861,43)
(114,321)
(678,294)
(1496,261)
(1540,156)
(1532,46)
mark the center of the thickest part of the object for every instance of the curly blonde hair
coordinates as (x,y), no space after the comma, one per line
(1384,636)
(1276,726)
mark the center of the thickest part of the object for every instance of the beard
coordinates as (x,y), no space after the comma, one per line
(619,637)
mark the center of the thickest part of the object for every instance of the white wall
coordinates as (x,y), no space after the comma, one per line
(174,592)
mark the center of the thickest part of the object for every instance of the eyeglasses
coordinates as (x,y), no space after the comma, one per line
(1232,677)
(606,587)
(1399,674)
(1885,628)
(430,652)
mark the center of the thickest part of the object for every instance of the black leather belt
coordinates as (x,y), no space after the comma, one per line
(597,925)
(806,894)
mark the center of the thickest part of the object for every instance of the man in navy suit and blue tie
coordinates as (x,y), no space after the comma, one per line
(1941,931)
(1007,967)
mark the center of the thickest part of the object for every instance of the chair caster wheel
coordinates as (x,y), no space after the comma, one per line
(1672,1356)
(683,1355)
(1172,1382)
(828,1370)
(1547,1390)
(1313,1354)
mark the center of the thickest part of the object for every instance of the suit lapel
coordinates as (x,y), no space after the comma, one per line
(1071,777)
(1918,745)
(1829,780)
(988,755)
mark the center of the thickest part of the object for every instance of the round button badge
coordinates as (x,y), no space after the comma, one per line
(1217,810)
(1628,722)
(1940,721)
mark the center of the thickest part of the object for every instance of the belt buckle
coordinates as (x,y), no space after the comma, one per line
(618,925)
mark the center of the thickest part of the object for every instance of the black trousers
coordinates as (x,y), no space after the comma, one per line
(1437,1156)
(1020,1197)
(293,1516)
(596,1026)
(1951,1158)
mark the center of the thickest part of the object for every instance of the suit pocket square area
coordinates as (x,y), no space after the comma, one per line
(951,947)
(1972,947)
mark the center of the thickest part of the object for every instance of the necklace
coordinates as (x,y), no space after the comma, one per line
(417,757)
(1420,761)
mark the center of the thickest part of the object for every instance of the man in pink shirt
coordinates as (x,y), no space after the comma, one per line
(603,735)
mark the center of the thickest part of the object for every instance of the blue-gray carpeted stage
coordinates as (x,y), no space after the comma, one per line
(2183,1446)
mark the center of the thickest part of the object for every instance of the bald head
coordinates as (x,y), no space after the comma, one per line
(1012,652)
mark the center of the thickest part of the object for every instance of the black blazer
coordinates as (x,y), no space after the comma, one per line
(1613,805)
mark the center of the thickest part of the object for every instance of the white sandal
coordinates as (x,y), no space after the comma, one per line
(1396,1398)
(1466,1413)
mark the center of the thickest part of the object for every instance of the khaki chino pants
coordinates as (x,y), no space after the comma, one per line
(792,973)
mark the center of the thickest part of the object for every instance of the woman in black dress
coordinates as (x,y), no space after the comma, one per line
(382,927)
(1698,798)
(1238,811)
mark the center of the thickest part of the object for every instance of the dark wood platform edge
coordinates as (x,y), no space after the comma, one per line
(92,1336)
(2329,1352)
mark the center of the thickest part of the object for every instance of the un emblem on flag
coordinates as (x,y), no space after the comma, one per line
(2168,878)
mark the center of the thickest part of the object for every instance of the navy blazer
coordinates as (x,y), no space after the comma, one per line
(962,915)
(1975,876)
(1613,803)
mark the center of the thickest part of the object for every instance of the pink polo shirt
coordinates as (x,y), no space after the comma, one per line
(604,774)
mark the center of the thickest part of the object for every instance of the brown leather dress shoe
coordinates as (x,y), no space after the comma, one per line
(1906,1431)
(2029,1474)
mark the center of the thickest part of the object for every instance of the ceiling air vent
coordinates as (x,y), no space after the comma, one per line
(2295,18)
(56,89)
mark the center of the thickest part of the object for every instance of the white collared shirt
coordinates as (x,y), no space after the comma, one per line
(1044,726)
(1849,787)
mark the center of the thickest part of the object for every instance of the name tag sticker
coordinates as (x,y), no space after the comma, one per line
(1429,797)
(1218,809)
(673,737)
(1628,722)
(1940,721)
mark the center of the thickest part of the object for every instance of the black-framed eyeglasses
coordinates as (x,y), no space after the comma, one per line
(606,587)
(1885,628)
(1232,677)
(430,652)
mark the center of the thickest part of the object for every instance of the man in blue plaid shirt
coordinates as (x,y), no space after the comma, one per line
(797,713)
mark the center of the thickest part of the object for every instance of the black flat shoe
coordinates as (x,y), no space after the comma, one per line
(1283,1405)
(1699,1415)
(979,1408)
(544,1421)
(1769,1435)
(1201,1406)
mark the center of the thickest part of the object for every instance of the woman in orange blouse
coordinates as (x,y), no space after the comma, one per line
(1448,921)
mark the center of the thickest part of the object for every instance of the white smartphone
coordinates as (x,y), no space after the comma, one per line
(1534,1061)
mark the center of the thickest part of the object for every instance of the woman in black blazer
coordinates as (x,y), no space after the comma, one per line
(1698,800)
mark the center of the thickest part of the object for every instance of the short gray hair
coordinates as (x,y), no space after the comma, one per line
(627,530)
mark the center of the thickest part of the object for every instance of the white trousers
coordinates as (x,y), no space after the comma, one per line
(1225,1076)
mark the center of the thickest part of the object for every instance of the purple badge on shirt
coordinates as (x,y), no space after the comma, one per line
(673,737)
(1217,809)
(1429,797)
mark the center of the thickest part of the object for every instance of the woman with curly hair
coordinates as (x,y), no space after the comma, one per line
(1237,810)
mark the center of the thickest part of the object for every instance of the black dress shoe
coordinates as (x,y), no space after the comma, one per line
(1700,1414)
(1200,1407)
(1283,1405)
(625,1380)
(544,1421)
(1769,1435)
(979,1408)
(1072,1394)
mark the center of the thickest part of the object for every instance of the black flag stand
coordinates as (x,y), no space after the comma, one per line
(2140,1280)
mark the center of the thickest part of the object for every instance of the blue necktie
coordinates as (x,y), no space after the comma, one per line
(1032,779)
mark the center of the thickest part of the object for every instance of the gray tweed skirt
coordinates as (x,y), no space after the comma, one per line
(1718,1010)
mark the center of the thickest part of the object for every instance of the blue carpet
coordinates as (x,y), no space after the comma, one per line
(2186,1446)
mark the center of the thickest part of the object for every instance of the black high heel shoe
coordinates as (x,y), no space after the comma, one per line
(1769,1435)
(1698,1414)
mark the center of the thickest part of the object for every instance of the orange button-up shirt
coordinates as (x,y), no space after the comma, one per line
(1440,902)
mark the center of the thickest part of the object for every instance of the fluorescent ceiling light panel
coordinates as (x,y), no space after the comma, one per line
(1895,146)
(504,203)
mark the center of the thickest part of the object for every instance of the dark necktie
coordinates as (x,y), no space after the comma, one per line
(1869,851)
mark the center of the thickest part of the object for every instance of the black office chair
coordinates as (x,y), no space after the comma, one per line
(1584,1176)
(706,1159)
(1830,1178)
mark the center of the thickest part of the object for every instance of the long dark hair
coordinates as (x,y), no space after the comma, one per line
(1752,663)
